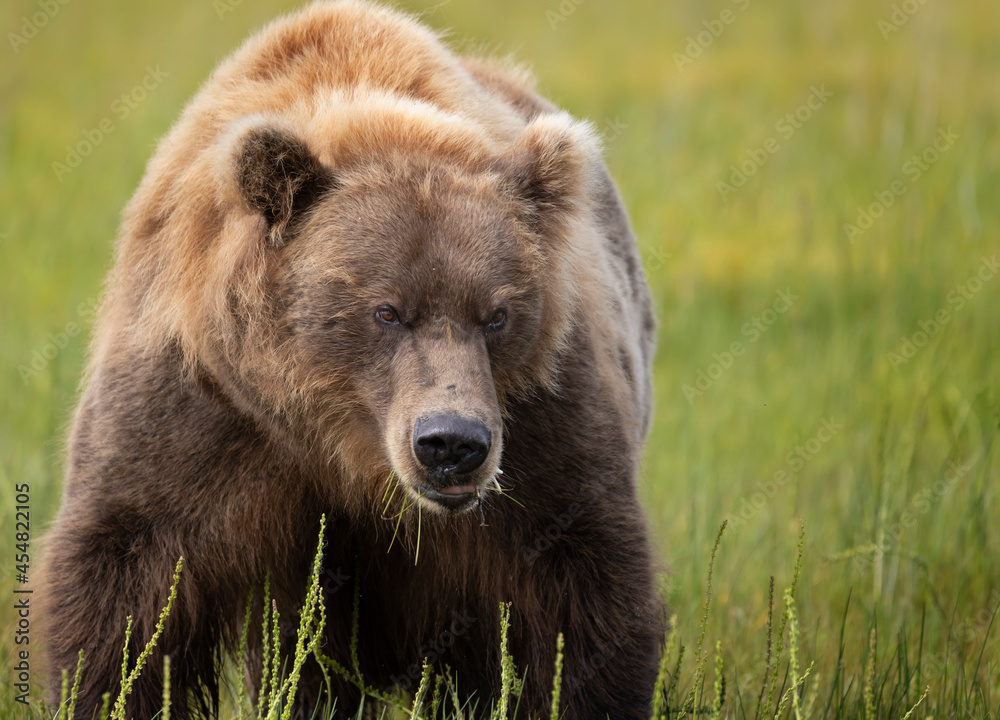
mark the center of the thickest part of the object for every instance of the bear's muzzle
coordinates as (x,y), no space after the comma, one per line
(450,447)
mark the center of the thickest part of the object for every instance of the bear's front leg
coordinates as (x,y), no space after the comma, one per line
(584,565)
(594,583)
(101,571)
(160,468)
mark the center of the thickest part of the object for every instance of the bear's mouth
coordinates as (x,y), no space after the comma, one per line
(454,498)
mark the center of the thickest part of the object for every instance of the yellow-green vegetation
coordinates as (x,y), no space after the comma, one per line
(814,187)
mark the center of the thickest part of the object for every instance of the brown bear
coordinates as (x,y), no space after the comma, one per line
(364,276)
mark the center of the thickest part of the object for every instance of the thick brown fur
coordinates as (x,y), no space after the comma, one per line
(242,383)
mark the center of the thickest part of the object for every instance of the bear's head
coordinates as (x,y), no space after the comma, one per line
(414,277)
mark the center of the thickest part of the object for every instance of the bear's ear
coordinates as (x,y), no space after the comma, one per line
(277,175)
(551,166)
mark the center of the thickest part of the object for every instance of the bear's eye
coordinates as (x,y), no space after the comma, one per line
(387,314)
(498,320)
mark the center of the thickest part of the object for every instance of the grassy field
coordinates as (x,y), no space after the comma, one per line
(815,187)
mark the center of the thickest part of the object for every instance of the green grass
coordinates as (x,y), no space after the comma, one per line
(893,542)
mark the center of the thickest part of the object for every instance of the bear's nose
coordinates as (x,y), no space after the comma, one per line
(450,444)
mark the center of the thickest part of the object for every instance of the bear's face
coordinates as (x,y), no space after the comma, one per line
(418,284)
(415,295)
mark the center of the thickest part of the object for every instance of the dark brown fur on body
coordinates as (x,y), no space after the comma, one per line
(247,378)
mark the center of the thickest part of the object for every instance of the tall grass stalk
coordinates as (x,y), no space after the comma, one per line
(720,683)
(660,689)
(129,678)
(508,673)
(165,708)
(557,679)
(784,616)
(241,687)
(869,689)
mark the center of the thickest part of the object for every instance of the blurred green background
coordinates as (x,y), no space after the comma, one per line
(747,138)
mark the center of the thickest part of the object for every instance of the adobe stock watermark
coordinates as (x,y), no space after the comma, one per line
(331,582)
(55,343)
(593,664)
(956,299)
(122,107)
(545,538)
(795,460)
(435,649)
(914,168)
(562,13)
(558,524)
(900,15)
(699,43)
(785,127)
(753,330)
(224,7)
(613,129)
(967,630)
(47,9)
(655,259)
(920,504)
